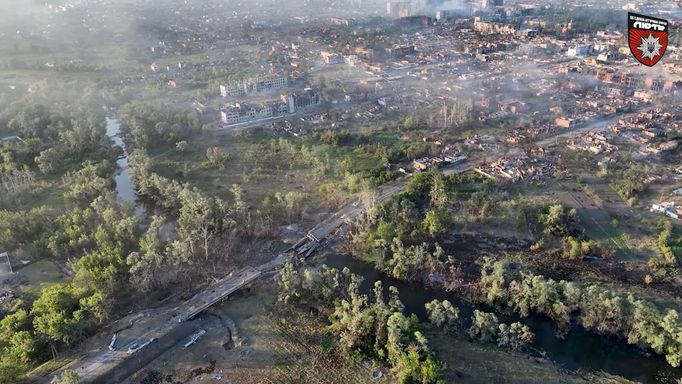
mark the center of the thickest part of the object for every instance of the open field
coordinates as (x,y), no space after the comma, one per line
(38,275)
(188,166)
(606,218)
(269,346)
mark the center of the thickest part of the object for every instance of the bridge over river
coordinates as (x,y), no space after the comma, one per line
(151,332)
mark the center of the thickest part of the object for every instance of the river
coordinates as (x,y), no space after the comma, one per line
(125,188)
(578,350)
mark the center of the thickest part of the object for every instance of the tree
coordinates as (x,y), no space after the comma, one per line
(439,192)
(240,206)
(217,157)
(58,317)
(200,219)
(368,197)
(436,221)
(292,203)
(89,182)
(48,160)
(633,182)
(181,146)
(105,221)
(158,125)
(409,353)
(100,276)
(290,284)
(353,321)
(151,267)
(18,342)
(484,326)
(514,336)
(493,280)
(442,314)
(556,220)
(26,228)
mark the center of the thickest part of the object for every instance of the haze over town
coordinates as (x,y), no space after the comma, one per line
(344,191)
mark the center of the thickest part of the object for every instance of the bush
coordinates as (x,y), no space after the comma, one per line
(484,326)
(514,336)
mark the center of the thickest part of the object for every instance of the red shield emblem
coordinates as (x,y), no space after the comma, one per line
(647,38)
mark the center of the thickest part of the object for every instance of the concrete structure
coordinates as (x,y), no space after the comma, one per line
(252,86)
(667,208)
(492,3)
(340,21)
(237,113)
(301,100)
(400,51)
(144,336)
(446,14)
(331,57)
(5,265)
(491,28)
(352,60)
(398,9)
(564,123)
(579,50)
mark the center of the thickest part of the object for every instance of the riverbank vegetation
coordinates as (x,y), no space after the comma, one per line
(597,308)
(395,238)
(98,238)
(404,235)
(367,326)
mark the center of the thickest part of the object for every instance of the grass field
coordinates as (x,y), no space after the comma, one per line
(189,166)
(39,274)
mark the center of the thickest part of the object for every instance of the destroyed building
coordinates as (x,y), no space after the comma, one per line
(398,9)
(237,113)
(492,27)
(252,86)
(302,99)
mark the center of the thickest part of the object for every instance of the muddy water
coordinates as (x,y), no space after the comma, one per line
(578,350)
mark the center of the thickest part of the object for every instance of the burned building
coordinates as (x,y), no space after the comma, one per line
(491,27)
(398,52)
(331,57)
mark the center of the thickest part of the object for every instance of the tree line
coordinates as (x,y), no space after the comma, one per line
(151,127)
(598,309)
